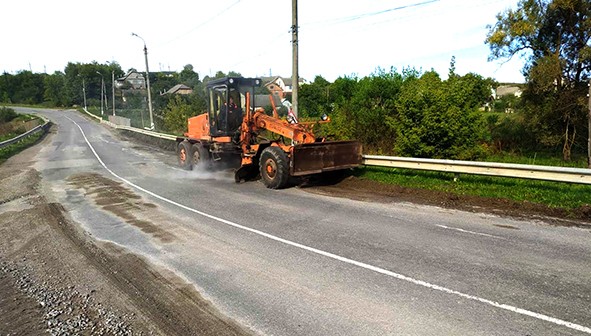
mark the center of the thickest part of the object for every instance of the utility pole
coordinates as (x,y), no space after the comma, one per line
(84,93)
(102,92)
(113,85)
(295,78)
(106,96)
(147,82)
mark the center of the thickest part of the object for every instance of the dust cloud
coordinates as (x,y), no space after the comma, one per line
(226,175)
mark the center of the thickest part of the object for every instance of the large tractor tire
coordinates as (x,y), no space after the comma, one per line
(200,158)
(185,153)
(274,168)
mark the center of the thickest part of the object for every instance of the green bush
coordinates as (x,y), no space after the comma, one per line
(410,114)
(7,114)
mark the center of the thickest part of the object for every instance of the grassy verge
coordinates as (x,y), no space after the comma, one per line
(16,148)
(8,136)
(542,159)
(553,194)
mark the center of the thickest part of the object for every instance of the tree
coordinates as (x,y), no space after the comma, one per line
(553,36)
(28,88)
(176,114)
(188,76)
(314,98)
(54,89)
(6,88)
(440,119)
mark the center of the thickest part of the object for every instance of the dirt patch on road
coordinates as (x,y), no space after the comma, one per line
(56,279)
(115,198)
(362,189)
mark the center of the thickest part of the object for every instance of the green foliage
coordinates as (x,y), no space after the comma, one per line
(314,98)
(179,109)
(54,93)
(554,35)
(406,113)
(508,133)
(554,194)
(7,114)
(439,119)
(507,104)
(23,88)
(13,149)
(80,77)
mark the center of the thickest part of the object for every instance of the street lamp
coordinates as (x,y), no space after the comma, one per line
(102,92)
(147,81)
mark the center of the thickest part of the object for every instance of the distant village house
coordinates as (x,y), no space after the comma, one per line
(178,89)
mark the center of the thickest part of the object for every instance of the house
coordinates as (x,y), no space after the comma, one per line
(508,95)
(178,89)
(505,90)
(279,84)
(131,81)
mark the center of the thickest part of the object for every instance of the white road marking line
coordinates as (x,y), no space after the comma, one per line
(470,232)
(347,260)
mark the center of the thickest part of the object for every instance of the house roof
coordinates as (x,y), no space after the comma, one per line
(176,88)
(286,80)
(505,90)
(131,74)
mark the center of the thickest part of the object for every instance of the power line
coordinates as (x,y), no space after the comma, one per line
(267,51)
(201,24)
(361,16)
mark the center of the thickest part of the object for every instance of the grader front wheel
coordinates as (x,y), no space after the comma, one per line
(274,168)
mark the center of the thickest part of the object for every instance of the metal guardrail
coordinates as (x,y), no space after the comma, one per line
(133,129)
(546,173)
(145,132)
(36,129)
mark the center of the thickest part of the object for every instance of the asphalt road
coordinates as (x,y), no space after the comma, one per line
(287,262)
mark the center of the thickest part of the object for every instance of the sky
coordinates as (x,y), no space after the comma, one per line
(336,37)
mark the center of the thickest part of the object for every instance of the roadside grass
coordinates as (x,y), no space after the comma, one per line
(14,131)
(8,136)
(16,148)
(552,194)
(541,159)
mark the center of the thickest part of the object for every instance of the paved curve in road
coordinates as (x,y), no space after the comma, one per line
(286,262)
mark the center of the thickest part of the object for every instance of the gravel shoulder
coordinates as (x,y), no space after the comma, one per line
(56,279)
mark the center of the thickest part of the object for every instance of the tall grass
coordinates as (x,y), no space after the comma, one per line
(18,147)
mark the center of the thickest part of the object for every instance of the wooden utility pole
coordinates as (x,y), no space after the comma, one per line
(295,79)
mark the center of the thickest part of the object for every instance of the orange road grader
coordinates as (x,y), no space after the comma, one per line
(234,133)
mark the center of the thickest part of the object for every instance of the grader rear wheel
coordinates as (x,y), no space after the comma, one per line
(200,158)
(185,154)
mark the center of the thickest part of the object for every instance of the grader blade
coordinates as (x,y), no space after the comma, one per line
(320,157)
